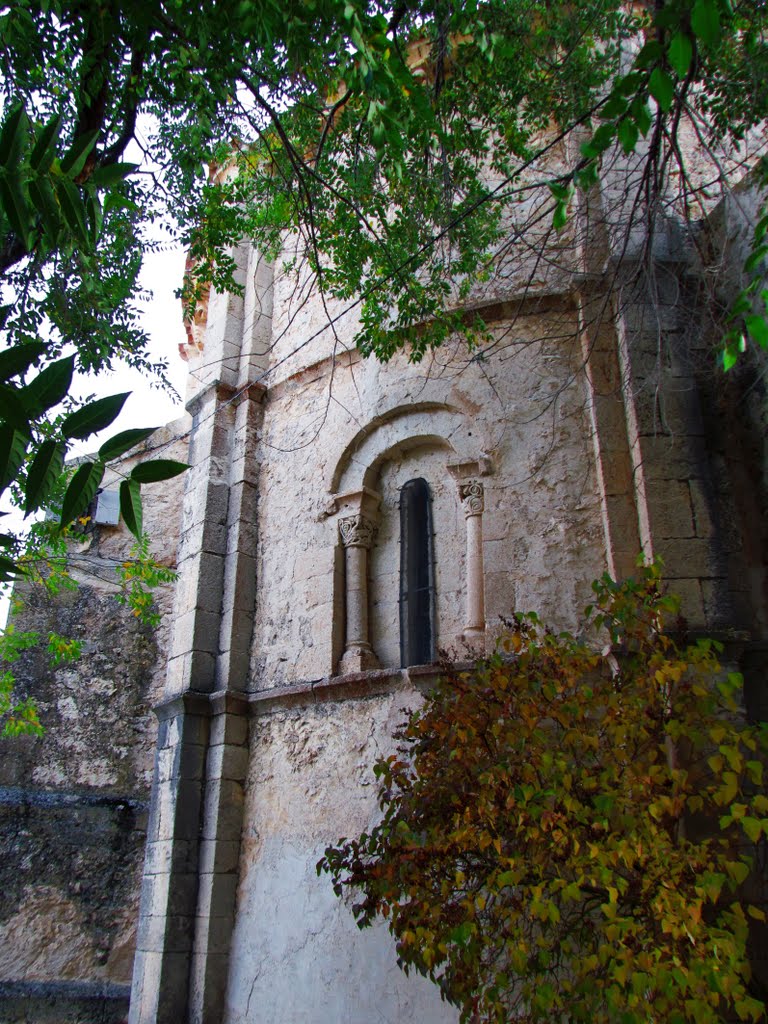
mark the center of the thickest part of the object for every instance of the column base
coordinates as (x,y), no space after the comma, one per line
(358,659)
(473,637)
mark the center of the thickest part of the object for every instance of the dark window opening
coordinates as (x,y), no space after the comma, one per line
(417,575)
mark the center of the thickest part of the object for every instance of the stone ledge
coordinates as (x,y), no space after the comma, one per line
(352,686)
(32,796)
(189,702)
(64,990)
(251,390)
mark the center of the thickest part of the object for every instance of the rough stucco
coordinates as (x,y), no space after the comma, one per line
(309,782)
(542,528)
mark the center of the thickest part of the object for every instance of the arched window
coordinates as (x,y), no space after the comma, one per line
(417,575)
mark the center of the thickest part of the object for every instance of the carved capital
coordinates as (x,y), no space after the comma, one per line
(356,531)
(472,497)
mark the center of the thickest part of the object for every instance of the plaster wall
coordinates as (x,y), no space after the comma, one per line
(296,953)
(336,428)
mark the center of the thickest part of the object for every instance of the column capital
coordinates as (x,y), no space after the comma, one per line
(472,494)
(357,531)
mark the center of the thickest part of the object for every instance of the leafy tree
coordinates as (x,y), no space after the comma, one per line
(567,832)
(389,141)
(402,155)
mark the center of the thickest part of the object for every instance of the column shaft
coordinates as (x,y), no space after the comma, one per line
(472,496)
(357,536)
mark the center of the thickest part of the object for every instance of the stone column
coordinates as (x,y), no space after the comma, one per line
(357,536)
(472,498)
(170,882)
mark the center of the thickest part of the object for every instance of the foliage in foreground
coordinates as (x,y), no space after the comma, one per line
(379,149)
(567,834)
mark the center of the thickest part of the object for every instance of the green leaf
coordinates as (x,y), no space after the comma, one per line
(41,194)
(628,133)
(13,136)
(81,490)
(642,115)
(112,174)
(123,442)
(753,828)
(649,53)
(560,190)
(614,107)
(9,570)
(560,216)
(17,211)
(43,474)
(587,176)
(95,217)
(73,209)
(17,359)
(758,329)
(680,53)
(130,506)
(156,470)
(755,258)
(49,387)
(600,141)
(662,88)
(738,871)
(43,150)
(705,21)
(94,416)
(12,408)
(730,357)
(13,448)
(461,934)
(74,160)
(629,84)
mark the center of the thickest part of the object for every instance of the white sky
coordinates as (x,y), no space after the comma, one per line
(147,406)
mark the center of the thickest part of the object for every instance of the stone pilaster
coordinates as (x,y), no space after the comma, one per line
(610,410)
(188,892)
(198,600)
(221,825)
(239,558)
(170,882)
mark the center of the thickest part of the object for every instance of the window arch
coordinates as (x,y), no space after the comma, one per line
(417,575)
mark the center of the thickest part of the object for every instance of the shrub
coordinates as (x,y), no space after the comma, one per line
(567,833)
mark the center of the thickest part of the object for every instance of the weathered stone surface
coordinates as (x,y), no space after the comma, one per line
(73,803)
(69,868)
(581,437)
(311,779)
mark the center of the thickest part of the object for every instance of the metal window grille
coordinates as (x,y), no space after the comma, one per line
(417,575)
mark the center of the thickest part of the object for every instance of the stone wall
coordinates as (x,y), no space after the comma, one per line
(73,803)
(376,426)
(588,430)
